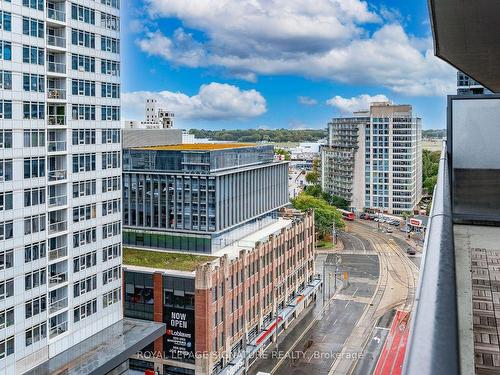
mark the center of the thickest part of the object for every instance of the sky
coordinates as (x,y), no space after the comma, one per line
(248,64)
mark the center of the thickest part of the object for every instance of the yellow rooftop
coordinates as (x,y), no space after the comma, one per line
(196,147)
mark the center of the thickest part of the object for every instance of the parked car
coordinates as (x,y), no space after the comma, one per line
(362,216)
(389,230)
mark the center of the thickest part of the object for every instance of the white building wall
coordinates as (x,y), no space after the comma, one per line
(57,180)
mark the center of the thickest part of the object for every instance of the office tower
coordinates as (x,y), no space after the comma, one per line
(200,197)
(60,166)
(468,86)
(154,117)
(374,159)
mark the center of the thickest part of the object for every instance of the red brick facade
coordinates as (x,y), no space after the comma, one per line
(158,307)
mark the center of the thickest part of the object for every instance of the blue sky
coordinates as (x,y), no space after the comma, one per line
(279,63)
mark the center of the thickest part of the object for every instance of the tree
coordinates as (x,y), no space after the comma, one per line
(339,202)
(312,177)
(430,167)
(324,214)
(285,153)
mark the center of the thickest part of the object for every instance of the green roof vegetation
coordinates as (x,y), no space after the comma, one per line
(161,259)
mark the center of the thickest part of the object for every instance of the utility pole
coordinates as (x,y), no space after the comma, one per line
(334,233)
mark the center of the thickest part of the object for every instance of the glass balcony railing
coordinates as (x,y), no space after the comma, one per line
(57,227)
(57,175)
(58,329)
(57,15)
(60,304)
(57,120)
(56,41)
(59,94)
(57,278)
(56,67)
(56,146)
(60,252)
(58,201)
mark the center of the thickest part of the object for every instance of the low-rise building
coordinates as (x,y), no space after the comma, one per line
(218,307)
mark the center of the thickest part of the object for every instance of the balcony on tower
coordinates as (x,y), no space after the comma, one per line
(56,63)
(56,12)
(56,115)
(57,222)
(56,89)
(56,38)
(57,170)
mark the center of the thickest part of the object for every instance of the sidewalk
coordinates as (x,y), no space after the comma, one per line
(337,248)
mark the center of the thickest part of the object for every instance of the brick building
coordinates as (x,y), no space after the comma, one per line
(216,306)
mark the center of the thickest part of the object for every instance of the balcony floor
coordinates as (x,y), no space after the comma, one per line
(477,250)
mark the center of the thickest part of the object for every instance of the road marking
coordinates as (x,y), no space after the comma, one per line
(347,304)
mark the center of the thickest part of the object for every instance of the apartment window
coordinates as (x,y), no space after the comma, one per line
(84,163)
(33,27)
(110,90)
(84,286)
(33,82)
(84,237)
(34,279)
(111,207)
(83,137)
(5,50)
(85,310)
(111,297)
(111,184)
(111,252)
(33,55)
(6,259)
(35,306)
(81,13)
(6,318)
(83,63)
(83,213)
(34,167)
(36,333)
(110,136)
(82,87)
(6,109)
(110,22)
(82,38)
(84,261)
(33,110)
(111,3)
(110,67)
(83,112)
(5,80)
(34,138)
(6,289)
(34,224)
(34,196)
(111,229)
(111,274)
(6,201)
(6,229)
(34,4)
(35,251)
(5,138)
(110,44)
(84,188)
(110,113)
(6,347)
(5,20)
(111,159)
(5,170)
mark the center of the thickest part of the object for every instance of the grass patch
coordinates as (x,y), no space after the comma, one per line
(322,244)
(158,259)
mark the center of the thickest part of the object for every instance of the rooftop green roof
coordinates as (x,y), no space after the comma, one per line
(163,260)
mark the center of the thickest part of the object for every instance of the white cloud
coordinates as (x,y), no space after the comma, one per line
(306,100)
(356,103)
(323,39)
(214,101)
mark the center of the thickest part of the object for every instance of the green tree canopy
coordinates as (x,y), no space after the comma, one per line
(312,177)
(324,214)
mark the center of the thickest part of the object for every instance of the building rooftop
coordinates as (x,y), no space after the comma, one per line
(163,259)
(197,147)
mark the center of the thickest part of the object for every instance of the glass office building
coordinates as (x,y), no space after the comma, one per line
(200,197)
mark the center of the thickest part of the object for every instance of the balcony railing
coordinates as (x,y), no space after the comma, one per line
(60,304)
(57,227)
(57,15)
(57,120)
(433,342)
(57,278)
(59,94)
(57,201)
(57,175)
(58,329)
(56,146)
(56,67)
(56,41)
(60,252)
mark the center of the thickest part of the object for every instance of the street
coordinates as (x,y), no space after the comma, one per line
(345,334)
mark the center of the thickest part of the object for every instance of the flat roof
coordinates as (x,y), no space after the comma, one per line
(196,147)
(167,260)
(104,351)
